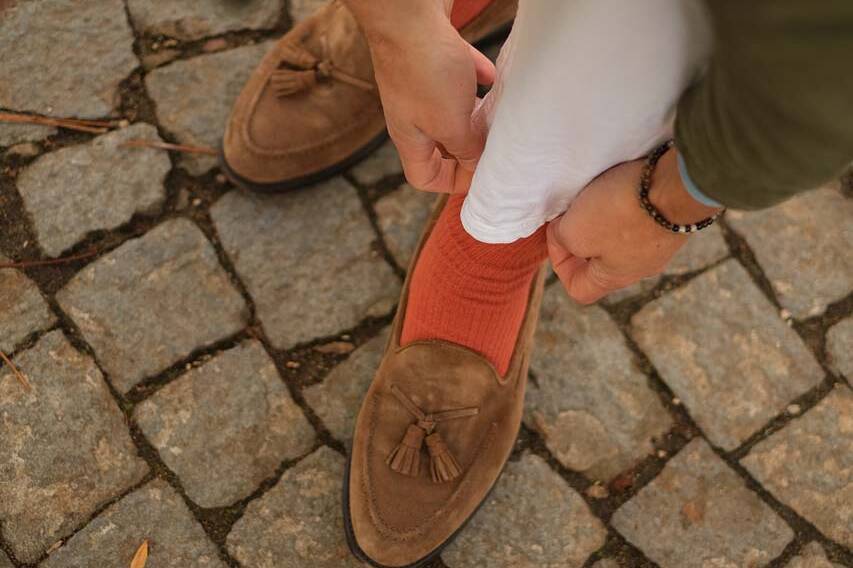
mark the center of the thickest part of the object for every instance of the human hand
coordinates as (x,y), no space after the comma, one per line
(607,241)
(427,76)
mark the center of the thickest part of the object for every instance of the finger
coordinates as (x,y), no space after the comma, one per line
(462,180)
(465,143)
(423,164)
(480,116)
(574,230)
(577,274)
(483,66)
(557,249)
(584,280)
(566,265)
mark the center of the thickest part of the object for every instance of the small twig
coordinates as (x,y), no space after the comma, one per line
(18,374)
(95,123)
(91,126)
(167,146)
(30,263)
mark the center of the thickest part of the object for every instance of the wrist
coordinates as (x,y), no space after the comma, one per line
(393,23)
(670,196)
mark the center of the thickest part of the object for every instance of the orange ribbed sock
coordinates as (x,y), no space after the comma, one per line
(471,293)
(466,10)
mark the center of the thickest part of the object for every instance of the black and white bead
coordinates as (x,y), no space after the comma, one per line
(645,187)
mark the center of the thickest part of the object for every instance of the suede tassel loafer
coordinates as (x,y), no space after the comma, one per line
(311,108)
(432,437)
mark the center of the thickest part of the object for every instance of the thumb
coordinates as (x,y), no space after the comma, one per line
(483,66)
(558,252)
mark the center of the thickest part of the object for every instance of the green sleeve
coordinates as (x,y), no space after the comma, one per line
(773,114)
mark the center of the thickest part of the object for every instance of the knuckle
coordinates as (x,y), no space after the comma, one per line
(584,299)
(601,278)
(420,177)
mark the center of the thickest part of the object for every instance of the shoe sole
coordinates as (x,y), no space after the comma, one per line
(361,555)
(333,170)
(310,179)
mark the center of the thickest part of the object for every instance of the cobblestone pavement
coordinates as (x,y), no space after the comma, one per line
(195,380)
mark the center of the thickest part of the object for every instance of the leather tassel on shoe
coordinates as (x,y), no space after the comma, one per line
(405,458)
(443,466)
(287,82)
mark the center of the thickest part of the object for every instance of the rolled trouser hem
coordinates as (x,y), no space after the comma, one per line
(500,233)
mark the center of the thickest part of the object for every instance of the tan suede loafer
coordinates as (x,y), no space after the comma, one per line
(311,108)
(433,435)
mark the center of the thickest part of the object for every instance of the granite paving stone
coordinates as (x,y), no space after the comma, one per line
(23,150)
(698,513)
(301,9)
(722,348)
(337,399)
(65,446)
(644,286)
(532,519)
(226,426)
(839,345)
(298,522)
(326,275)
(812,556)
(23,310)
(702,249)
(48,53)
(401,217)
(194,20)
(154,512)
(590,401)
(160,318)
(808,465)
(16,133)
(153,301)
(383,163)
(76,190)
(193,97)
(803,246)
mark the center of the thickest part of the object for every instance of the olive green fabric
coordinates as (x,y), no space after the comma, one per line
(773,115)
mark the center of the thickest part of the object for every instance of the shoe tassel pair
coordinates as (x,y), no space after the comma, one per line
(405,458)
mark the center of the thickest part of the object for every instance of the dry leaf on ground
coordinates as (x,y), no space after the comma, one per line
(141,556)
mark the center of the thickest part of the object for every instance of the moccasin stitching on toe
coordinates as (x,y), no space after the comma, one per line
(434,432)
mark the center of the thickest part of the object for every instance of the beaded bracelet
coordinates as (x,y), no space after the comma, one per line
(645,186)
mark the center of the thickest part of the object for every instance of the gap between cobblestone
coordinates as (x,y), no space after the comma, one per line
(187,49)
(812,331)
(367,200)
(617,548)
(385,186)
(815,328)
(136,105)
(143,447)
(685,428)
(530,441)
(847,184)
(16,229)
(143,44)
